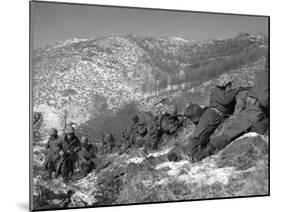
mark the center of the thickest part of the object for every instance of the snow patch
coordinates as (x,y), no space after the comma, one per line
(157,154)
(180,39)
(249,135)
(136,160)
(203,173)
(173,166)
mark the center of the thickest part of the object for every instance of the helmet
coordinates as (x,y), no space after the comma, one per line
(69,129)
(193,110)
(224,80)
(53,131)
(84,139)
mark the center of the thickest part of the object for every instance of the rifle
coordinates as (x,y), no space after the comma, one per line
(65,118)
(181,118)
(244,88)
(65,157)
(161,101)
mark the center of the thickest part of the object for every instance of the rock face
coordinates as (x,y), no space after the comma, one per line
(241,169)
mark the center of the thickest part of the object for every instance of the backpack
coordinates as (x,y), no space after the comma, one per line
(194,112)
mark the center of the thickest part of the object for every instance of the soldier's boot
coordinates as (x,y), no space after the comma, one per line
(67,176)
(174,157)
(65,171)
(86,169)
(204,152)
(56,175)
(145,150)
(50,174)
(190,147)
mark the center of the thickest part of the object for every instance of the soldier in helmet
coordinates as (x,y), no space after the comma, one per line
(132,130)
(70,146)
(222,103)
(110,142)
(193,112)
(53,148)
(87,155)
(123,143)
(252,117)
(169,123)
(120,142)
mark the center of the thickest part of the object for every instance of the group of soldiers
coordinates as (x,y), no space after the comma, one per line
(251,115)
(147,131)
(66,151)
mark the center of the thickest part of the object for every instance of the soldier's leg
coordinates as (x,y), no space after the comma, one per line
(51,168)
(48,173)
(218,143)
(208,123)
(90,166)
(63,169)
(73,164)
(66,169)
(261,126)
(237,126)
(46,163)
(155,141)
(206,151)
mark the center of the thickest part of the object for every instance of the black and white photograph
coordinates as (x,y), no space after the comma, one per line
(139,105)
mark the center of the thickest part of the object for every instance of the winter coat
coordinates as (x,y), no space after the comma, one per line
(70,146)
(88,152)
(223,100)
(53,149)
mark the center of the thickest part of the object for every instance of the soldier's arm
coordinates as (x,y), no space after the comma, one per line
(222,97)
(240,102)
(77,146)
(230,96)
(243,88)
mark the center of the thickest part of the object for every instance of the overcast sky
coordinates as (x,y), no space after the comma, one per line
(56,22)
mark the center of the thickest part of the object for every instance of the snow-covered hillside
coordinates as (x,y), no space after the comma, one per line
(86,77)
(83,79)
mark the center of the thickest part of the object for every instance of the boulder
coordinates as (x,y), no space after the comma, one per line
(244,152)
